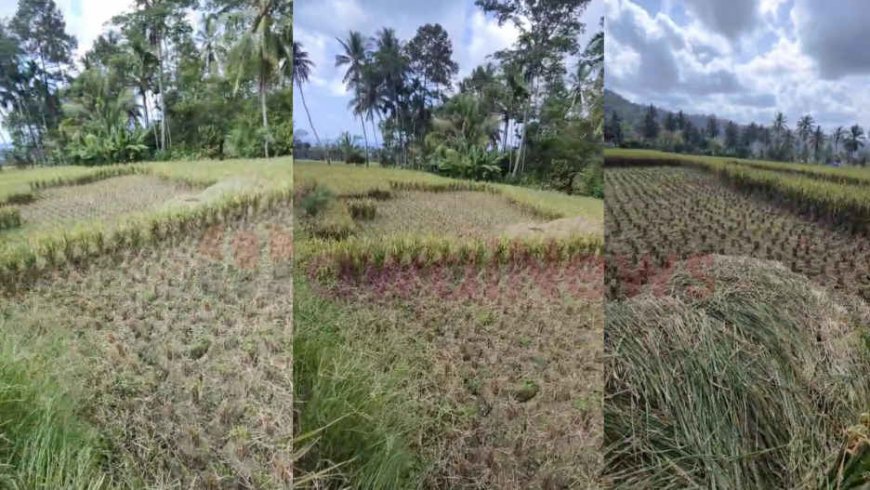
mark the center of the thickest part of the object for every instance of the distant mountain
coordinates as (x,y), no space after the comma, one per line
(632,113)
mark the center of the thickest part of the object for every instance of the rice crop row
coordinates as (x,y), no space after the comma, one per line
(658,216)
(330,259)
(838,203)
(101,173)
(843,175)
(22,263)
(381,183)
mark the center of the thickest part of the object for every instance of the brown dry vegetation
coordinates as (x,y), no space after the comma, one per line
(182,353)
(435,355)
(508,365)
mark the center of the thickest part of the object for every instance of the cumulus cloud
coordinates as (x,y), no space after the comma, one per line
(797,56)
(730,18)
(831,33)
(663,55)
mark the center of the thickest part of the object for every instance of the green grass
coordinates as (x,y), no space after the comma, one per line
(44,440)
(357,410)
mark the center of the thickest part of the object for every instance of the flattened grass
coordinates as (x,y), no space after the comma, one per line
(750,384)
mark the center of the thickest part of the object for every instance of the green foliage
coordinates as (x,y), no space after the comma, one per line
(350,411)
(471,162)
(356,158)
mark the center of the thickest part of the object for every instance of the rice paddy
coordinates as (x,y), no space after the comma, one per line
(737,321)
(157,336)
(432,349)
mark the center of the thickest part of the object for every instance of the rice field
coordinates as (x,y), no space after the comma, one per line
(737,323)
(151,348)
(433,348)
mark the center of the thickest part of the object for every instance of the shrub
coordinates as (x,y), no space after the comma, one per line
(356,158)
(316,199)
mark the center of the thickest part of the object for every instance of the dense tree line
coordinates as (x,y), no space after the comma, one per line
(807,142)
(532,112)
(153,86)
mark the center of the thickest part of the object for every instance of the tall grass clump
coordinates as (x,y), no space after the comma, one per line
(748,385)
(10,217)
(362,209)
(362,417)
(43,441)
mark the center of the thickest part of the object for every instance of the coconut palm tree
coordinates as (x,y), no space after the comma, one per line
(836,137)
(258,50)
(392,66)
(208,39)
(804,130)
(817,140)
(302,66)
(854,140)
(355,56)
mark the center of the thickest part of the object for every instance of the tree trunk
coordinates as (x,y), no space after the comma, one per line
(365,137)
(310,123)
(162,95)
(264,110)
(505,135)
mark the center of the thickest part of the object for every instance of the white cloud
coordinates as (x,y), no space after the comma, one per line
(774,65)
(487,37)
(90,20)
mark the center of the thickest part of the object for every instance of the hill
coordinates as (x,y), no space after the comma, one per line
(632,113)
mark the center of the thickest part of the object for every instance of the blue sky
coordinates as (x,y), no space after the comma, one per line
(743,59)
(317,23)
